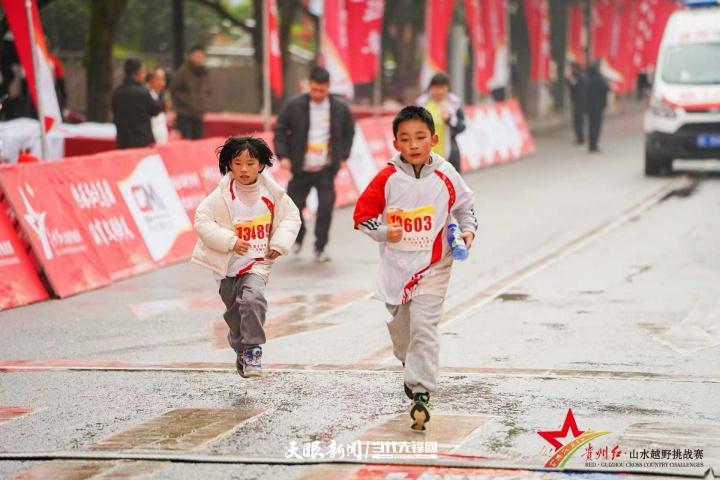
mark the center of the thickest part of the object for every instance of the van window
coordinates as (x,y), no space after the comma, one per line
(692,63)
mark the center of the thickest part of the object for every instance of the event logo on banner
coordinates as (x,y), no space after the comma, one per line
(19,283)
(155,206)
(273,56)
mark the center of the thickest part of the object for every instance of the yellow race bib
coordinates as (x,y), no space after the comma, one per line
(418,227)
(257,232)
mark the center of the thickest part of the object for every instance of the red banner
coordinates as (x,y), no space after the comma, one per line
(438,17)
(656,16)
(495,18)
(575,26)
(602,18)
(273,56)
(19,283)
(537,16)
(48,216)
(483,54)
(364,38)
(193,169)
(16,14)
(335,49)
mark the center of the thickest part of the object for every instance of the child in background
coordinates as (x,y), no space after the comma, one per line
(243,226)
(406,208)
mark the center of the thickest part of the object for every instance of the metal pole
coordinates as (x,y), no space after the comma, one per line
(36,68)
(267,96)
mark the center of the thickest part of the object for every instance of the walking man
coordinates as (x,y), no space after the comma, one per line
(313,137)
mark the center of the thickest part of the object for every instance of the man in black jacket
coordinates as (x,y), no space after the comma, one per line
(133,107)
(596,92)
(313,138)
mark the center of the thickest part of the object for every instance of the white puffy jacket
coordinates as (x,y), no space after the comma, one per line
(213,224)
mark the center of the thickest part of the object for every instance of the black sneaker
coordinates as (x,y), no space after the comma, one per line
(420,412)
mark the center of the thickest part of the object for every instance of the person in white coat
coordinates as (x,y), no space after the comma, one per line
(243,226)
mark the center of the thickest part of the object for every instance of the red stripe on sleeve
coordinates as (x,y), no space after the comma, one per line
(372,201)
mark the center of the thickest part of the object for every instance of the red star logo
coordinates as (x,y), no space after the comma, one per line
(552,435)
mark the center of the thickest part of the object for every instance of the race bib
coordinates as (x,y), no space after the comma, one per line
(418,227)
(257,232)
(316,156)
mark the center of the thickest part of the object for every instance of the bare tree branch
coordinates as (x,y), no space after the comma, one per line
(221,10)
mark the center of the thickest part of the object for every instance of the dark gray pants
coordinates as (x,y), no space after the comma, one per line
(299,189)
(189,127)
(244,298)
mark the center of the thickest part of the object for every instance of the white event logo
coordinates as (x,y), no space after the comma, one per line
(155,206)
(36,220)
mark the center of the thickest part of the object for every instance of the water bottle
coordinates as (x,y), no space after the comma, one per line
(457,244)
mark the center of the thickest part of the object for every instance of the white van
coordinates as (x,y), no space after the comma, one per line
(683,119)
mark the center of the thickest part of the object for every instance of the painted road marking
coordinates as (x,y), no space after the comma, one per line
(182,429)
(8,413)
(78,470)
(306,313)
(488,295)
(14,366)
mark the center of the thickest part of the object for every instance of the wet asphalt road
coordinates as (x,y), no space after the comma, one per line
(590,287)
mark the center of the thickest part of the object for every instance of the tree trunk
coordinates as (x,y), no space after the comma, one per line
(104,17)
(558,43)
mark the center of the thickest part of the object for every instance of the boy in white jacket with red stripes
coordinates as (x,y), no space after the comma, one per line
(407,208)
(243,225)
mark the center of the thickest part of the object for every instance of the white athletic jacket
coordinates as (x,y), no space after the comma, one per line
(423,204)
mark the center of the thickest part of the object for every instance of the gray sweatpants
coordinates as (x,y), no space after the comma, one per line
(244,298)
(416,340)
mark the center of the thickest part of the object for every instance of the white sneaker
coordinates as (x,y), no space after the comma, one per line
(321,257)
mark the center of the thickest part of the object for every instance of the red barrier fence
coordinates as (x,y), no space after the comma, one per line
(94,219)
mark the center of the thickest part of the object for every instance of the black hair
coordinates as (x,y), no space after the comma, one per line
(131,67)
(413,113)
(197,47)
(319,75)
(439,79)
(234,146)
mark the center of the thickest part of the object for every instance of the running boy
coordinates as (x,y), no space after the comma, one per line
(243,226)
(407,208)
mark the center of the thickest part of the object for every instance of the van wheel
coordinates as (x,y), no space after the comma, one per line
(657,164)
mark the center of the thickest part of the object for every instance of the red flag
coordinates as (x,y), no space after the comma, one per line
(482,49)
(335,49)
(273,56)
(495,16)
(438,15)
(575,46)
(602,16)
(364,38)
(16,14)
(538,21)
(657,18)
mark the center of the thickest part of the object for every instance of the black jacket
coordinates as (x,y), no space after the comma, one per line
(596,92)
(293,123)
(133,107)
